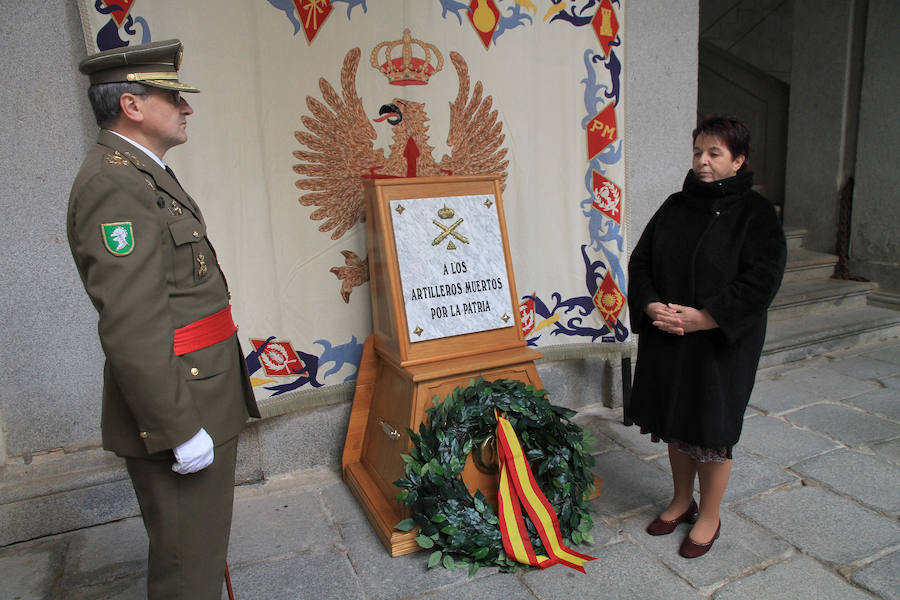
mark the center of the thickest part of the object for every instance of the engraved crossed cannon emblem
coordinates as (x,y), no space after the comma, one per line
(447,213)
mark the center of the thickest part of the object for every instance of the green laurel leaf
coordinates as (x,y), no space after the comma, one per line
(434,558)
(448,562)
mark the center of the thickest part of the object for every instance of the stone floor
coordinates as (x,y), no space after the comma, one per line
(811,512)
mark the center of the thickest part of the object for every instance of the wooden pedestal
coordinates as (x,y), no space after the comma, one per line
(399,376)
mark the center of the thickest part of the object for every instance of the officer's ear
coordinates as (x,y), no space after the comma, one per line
(131,107)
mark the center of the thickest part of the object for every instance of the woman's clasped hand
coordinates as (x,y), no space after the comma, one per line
(677,319)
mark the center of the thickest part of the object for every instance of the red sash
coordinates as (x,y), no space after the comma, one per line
(205,332)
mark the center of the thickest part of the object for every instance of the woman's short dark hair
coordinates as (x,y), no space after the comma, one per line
(731,131)
(104,99)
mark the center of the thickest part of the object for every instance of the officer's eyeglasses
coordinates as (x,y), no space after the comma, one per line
(173,96)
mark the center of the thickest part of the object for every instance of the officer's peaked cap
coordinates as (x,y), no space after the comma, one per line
(155,64)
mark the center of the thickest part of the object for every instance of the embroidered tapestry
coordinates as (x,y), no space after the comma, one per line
(303,99)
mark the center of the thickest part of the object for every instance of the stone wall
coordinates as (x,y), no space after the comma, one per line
(661,103)
(819,122)
(50,358)
(875,241)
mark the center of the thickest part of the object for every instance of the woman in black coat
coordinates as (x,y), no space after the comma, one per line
(701,278)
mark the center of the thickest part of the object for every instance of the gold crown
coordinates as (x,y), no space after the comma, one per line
(406,69)
(446,213)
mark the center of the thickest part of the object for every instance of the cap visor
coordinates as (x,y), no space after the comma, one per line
(170,85)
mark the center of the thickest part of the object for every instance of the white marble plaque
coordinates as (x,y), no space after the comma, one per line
(452,266)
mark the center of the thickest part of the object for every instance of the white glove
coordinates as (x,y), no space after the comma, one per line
(194,455)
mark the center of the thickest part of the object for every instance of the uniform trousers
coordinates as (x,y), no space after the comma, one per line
(188,521)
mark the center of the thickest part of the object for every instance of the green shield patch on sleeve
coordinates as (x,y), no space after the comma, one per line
(118,237)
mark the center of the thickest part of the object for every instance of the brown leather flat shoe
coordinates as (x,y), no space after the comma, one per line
(661,527)
(691,549)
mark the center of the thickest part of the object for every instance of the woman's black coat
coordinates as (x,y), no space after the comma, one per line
(714,245)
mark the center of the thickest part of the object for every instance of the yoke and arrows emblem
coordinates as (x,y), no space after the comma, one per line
(447,213)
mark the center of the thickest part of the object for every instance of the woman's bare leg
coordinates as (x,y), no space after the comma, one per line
(713,481)
(684,469)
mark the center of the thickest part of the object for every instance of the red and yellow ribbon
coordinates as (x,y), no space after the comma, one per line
(518,486)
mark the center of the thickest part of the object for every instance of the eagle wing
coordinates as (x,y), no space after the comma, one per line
(476,135)
(340,145)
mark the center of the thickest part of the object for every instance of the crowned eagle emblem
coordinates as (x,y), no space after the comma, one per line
(339,150)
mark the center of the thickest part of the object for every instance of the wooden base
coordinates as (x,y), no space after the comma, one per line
(383,513)
(389,399)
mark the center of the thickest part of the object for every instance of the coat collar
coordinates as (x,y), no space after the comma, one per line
(716,195)
(148,166)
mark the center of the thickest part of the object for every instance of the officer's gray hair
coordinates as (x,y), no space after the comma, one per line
(104,99)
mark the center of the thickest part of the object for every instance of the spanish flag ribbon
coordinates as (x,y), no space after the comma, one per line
(518,486)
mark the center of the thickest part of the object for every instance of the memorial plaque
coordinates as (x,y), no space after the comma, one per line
(452,265)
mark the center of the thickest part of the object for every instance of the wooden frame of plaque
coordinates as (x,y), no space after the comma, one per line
(400,372)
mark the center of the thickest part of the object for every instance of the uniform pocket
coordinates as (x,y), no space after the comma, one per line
(208,362)
(193,256)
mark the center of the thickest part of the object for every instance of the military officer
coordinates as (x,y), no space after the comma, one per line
(175,386)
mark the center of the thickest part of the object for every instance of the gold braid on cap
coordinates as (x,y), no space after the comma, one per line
(149,76)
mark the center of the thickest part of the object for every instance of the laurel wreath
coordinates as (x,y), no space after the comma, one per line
(463,529)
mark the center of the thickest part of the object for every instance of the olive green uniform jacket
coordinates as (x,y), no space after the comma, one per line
(159,275)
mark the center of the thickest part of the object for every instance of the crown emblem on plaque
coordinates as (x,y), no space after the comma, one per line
(406,69)
(446,213)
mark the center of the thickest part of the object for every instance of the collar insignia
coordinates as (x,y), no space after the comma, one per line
(134,159)
(116,159)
